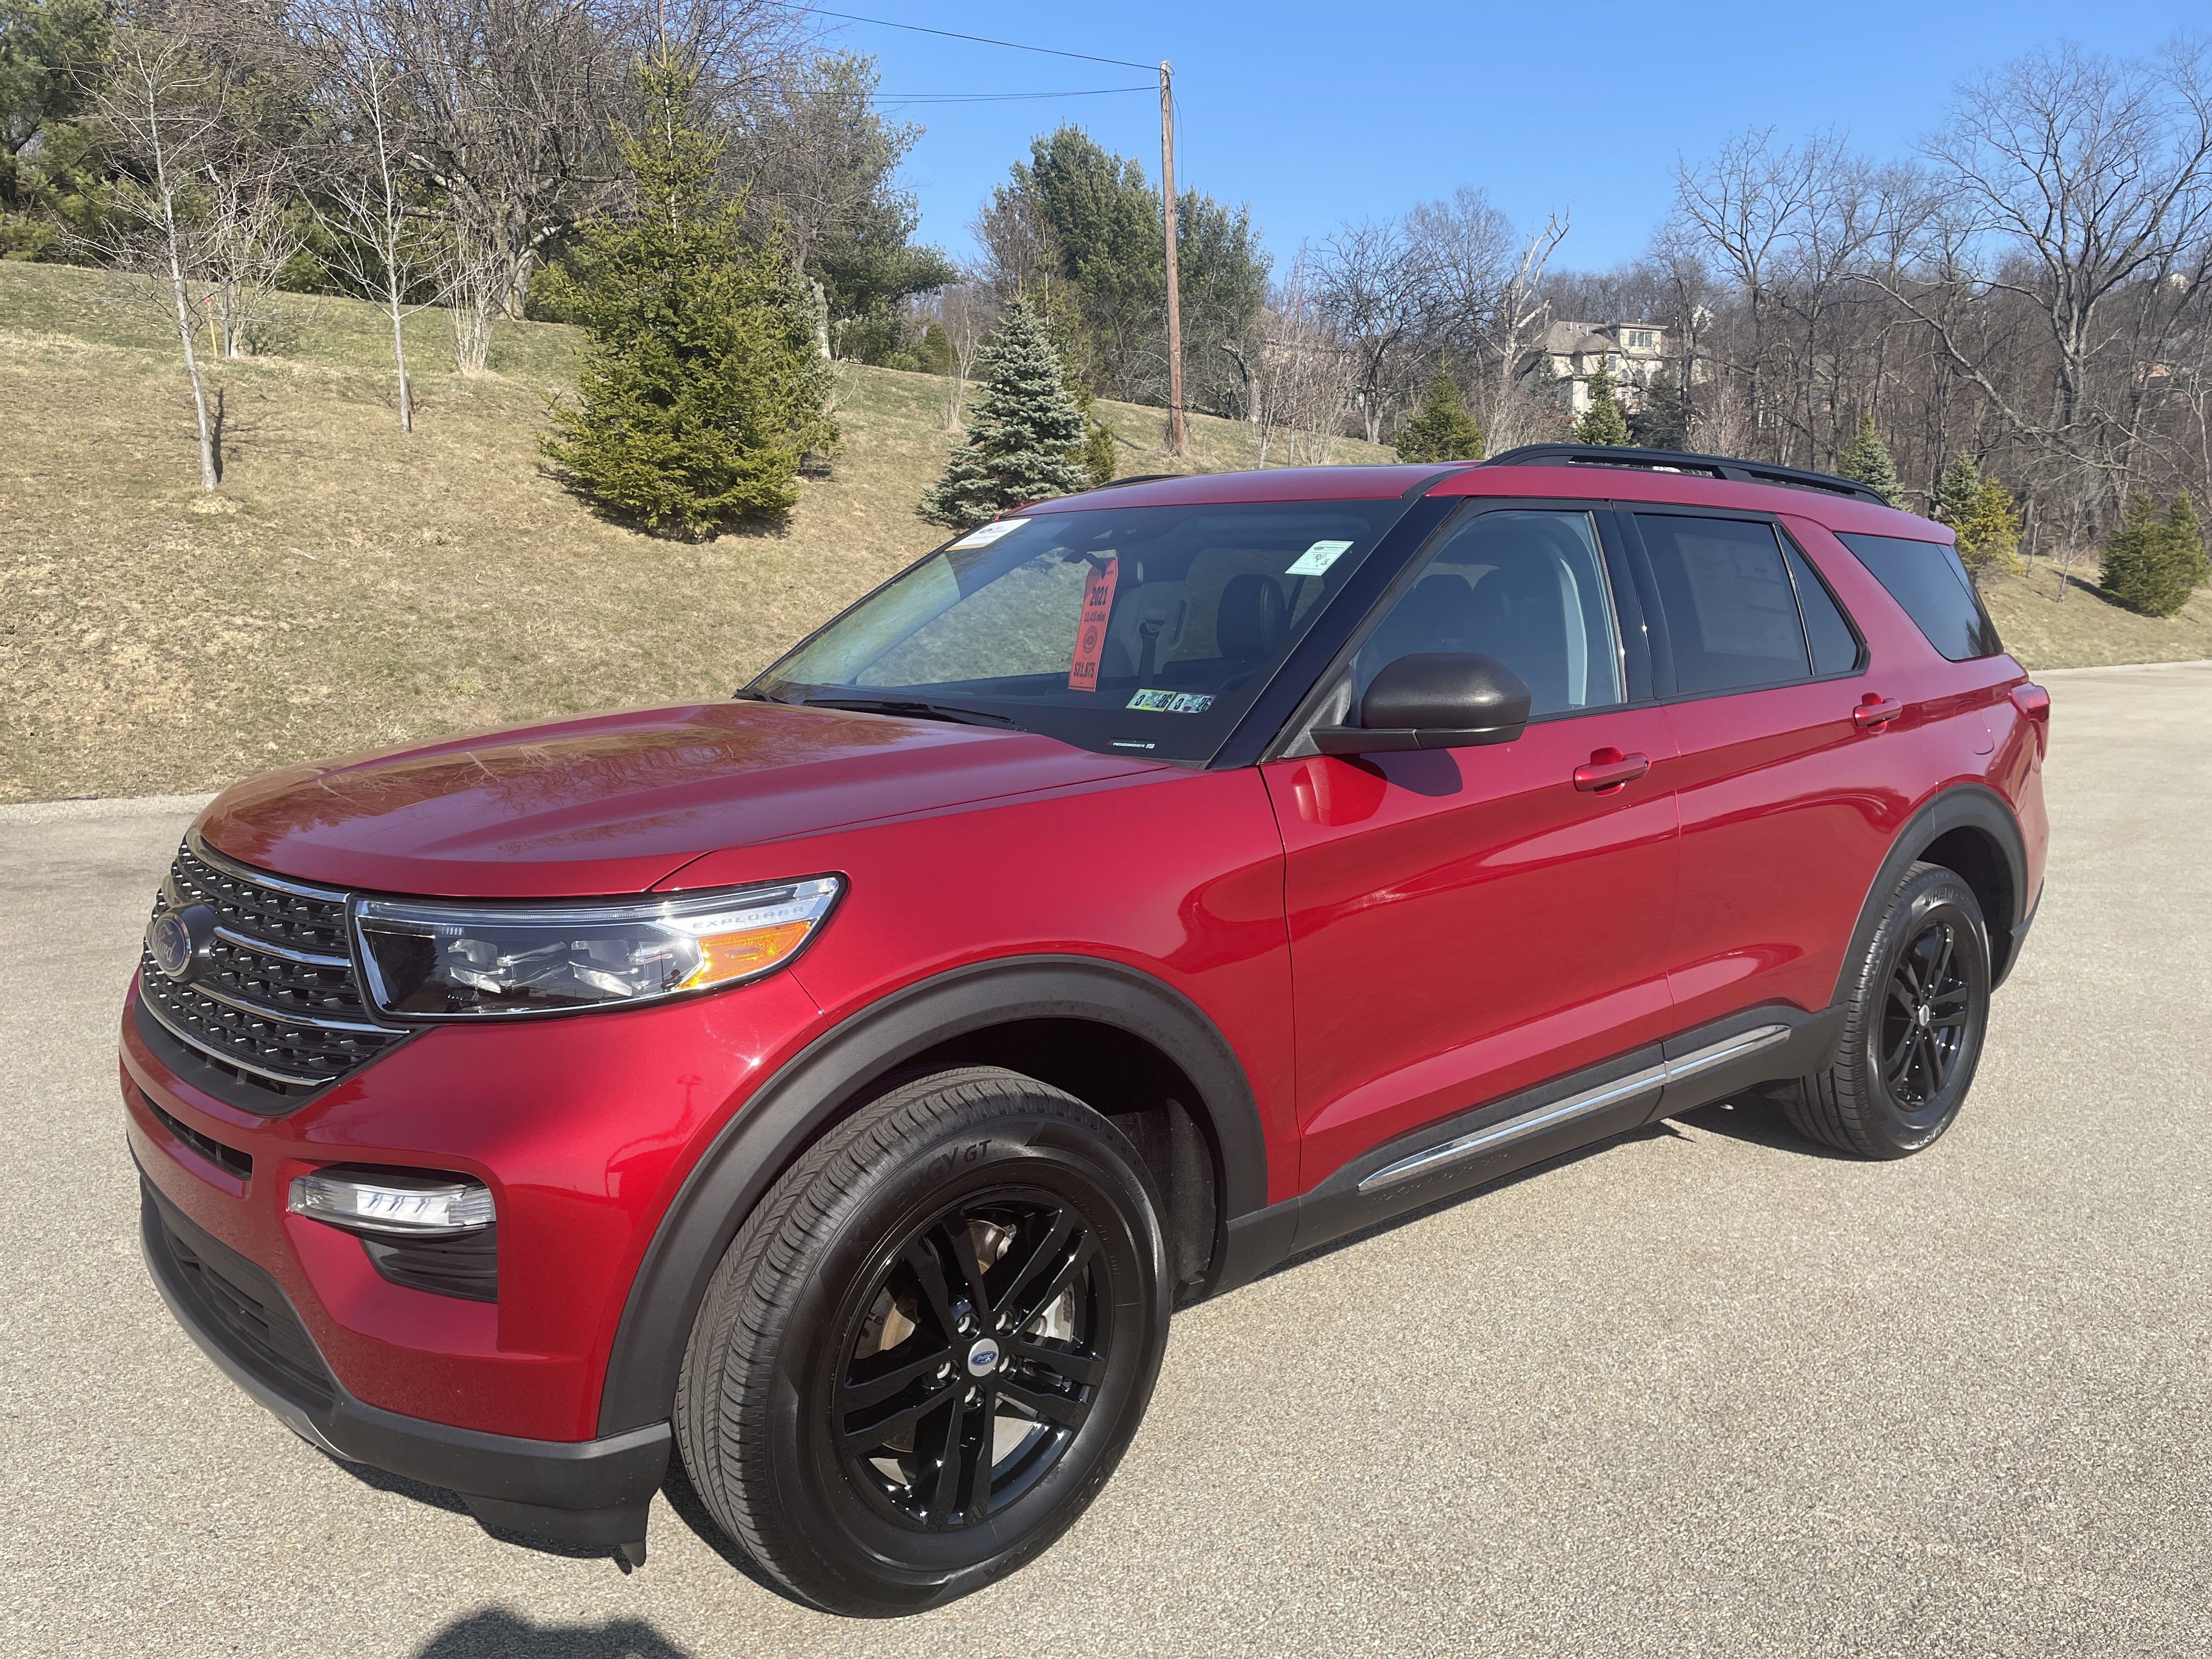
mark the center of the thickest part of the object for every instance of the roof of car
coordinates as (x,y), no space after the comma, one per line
(1544,477)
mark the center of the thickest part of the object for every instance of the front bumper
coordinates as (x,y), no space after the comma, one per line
(594,1493)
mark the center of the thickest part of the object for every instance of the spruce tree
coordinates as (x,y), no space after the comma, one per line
(2187,539)
(1866,461)
(1098,460)
(1441,429)
(1663,422)
(701,387)
(2145,568)
(1956,491)
(1603,423)
(1988,529)
(1024,436)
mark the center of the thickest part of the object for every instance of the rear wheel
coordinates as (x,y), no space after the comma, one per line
(1912,1036)
(925,1351)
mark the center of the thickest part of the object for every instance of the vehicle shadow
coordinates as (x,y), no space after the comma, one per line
(495,1633)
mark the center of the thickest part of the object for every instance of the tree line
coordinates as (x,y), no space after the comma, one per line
(2028,297)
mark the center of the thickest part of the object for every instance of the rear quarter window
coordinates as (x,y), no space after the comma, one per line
(1927,580)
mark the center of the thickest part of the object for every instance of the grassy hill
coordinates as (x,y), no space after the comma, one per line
(354,586)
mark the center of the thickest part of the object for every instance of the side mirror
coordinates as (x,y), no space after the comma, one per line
(1435,700)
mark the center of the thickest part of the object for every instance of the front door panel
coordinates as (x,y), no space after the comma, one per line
(1464,923)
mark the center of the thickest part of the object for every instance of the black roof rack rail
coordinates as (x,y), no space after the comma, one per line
(1138,477)
(1673,460)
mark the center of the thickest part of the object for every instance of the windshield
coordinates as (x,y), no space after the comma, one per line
(1143,630)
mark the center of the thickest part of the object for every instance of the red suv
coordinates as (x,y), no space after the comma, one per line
(841,1083)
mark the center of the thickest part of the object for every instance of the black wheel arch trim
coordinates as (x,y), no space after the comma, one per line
(819,1086)
(1961,806)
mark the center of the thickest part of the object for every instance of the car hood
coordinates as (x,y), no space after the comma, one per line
(616,802)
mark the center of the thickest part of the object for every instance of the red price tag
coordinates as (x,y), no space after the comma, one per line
(1091,630)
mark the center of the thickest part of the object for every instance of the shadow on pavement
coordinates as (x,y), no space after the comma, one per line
(496,1633)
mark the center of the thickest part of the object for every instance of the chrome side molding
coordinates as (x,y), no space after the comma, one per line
(1647,1081)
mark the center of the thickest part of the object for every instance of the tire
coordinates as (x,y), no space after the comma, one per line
(826,1457)
(1913,1034)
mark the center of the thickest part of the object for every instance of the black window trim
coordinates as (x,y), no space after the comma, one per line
(1647,581)
(1354,635)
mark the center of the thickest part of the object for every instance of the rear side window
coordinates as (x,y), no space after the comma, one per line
(1927,581)
(1835,647)
(1731,613)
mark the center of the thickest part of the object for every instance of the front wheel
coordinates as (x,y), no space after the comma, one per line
(1912,1033)
(925,1352)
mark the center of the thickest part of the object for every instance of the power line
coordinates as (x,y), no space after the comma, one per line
(1001,97)
(978,40)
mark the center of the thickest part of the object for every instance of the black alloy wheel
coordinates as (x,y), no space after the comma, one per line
(975,1362)
(926,1351)
(1923,1020)
(1914,1018)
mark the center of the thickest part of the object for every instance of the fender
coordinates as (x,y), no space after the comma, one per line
(1966,805)
(811,1093)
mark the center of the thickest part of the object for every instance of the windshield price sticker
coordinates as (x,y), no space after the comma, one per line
(1171,703)
(1316,559)
(1090,628)
(984,535)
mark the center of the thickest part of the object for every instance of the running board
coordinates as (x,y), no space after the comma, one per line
(1649,1080)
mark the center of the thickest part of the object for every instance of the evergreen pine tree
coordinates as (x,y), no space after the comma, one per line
(1603,423)
(2145,568)
(701,387)
(1866,461)
(2188,539)
(1098,460)
(1956,491)
(1024,436)
(1988,529)
(1663,422)
(1441,429)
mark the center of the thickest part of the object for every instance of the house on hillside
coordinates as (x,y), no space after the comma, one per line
(1567,354)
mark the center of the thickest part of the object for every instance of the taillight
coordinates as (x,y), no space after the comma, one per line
(2034,702)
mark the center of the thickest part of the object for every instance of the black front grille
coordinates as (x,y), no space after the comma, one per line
(223,1158)
(274,1001)
(240,1306)
(464,1267)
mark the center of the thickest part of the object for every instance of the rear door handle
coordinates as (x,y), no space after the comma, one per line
(1609,768)
(1875,711)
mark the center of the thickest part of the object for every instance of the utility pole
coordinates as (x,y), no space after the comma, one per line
(1176,437)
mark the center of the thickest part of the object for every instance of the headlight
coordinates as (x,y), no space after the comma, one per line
(450,962)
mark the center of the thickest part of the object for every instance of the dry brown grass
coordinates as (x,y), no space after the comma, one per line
(357,587)
(2050,625)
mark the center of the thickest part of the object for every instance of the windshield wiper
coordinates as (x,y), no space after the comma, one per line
(912,709)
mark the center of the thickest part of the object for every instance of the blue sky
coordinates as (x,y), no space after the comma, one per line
(1317,113)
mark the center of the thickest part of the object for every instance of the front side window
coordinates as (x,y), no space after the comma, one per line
(1146,630)
(1526,587)
(1931,585)
(1731,614)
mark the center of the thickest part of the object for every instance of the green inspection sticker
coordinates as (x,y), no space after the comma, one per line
(1171,703)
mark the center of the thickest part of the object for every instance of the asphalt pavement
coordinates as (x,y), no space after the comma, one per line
(1703,1391)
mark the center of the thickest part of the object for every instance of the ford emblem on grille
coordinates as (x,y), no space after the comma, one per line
(178,938)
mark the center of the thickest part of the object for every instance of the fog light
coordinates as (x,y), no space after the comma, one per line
(392,1201)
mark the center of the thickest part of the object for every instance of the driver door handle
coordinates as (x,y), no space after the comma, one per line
(1609,768)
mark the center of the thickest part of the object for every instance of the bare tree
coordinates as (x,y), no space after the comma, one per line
(967,312)
(164,111)
(376,235)
(2087,184)
(473,278)
(1516,315)
(1304,375)
(1367,281)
